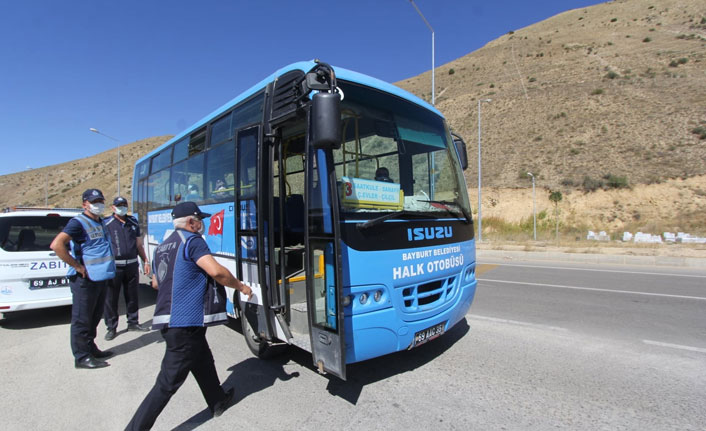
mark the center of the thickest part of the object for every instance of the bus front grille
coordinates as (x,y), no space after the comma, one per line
(422,297)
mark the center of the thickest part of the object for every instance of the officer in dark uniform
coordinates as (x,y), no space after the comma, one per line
(85,247)
(126,242)
(183,271)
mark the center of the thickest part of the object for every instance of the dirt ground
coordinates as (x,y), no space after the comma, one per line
(673,206)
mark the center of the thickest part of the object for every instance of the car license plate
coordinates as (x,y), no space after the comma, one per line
(428,334)
(41,283)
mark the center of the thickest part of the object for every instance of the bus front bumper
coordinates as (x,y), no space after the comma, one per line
(378,333)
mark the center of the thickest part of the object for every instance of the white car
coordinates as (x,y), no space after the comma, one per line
(31,275)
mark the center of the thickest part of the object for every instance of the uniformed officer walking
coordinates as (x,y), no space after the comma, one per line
(185,274)
(126,242)
(85,247)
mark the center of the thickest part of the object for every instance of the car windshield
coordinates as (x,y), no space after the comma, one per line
(30,233)
(396,157)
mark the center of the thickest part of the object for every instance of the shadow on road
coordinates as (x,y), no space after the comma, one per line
(364,373)
(52,316)
(37,318)
(248,377)
(254,375)
(264,373)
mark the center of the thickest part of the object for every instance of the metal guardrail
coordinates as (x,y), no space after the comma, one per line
(11,209)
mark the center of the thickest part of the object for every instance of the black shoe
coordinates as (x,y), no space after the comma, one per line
(110,334)
(222,405)
(137,327)
(90,362)
(100,354)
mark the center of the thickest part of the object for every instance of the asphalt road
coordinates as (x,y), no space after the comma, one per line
(545,346)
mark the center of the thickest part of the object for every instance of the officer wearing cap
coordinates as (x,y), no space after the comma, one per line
(126,243)
(184,271)
(85,247)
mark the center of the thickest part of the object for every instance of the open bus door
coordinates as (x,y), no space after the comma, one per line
(322,257)
(323,235)
(323,266)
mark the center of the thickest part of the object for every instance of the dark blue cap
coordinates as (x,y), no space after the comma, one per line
(188,209)
(92,195)
(120,201)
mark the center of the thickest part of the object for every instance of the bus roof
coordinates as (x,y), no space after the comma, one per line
(341,73)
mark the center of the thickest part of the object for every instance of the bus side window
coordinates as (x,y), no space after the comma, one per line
(247,162)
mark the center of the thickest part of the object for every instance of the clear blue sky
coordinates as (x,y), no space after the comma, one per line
(137,69)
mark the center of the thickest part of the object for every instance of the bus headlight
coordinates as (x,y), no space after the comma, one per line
(347,300)
(378,295)
(363,298)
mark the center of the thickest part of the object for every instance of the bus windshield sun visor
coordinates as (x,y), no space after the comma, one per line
(377,221)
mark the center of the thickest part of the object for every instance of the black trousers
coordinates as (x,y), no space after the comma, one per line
(126,277)
(187,352)
(86,311)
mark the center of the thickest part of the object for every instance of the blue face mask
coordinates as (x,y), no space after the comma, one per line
(121,211)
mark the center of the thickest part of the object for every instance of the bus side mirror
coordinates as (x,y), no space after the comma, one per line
(461,151)
(326,120)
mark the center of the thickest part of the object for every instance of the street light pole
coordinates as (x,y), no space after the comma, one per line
(480,217)
(432,48)
(534,206)
(116,140)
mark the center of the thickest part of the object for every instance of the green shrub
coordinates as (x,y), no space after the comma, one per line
(611,75)
(591,185)
(451,71)
(673,63)
(616,182)
(596,92)
(701,131)
(647,39)
(683,60)
(532,79)
(614,19)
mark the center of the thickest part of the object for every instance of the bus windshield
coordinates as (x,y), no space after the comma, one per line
(396,157)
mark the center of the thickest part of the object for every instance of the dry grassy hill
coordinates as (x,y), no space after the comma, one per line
(63,184)
(615,90)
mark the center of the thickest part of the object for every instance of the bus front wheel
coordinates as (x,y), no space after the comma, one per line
(257,345)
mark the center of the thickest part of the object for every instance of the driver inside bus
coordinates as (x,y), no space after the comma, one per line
(382,174)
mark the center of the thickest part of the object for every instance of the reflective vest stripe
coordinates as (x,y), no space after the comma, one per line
(97,260)
(215,317)
(164,318)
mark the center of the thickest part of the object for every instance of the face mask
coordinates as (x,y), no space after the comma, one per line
(121,211)
(96,209)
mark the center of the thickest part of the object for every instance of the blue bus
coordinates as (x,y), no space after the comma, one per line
(339,198)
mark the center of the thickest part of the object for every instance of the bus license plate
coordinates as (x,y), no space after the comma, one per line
(41,283)
(428,334)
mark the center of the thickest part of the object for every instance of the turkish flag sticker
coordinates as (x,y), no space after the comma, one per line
(216,226)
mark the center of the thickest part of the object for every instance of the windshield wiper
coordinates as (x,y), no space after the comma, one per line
(377,221)
(463,211)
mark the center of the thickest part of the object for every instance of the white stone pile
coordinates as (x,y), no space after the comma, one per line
(641,237)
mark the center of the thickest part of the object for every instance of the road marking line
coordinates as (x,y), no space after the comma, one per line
(665,295)
(516,322)
(675,346)
(600,270)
